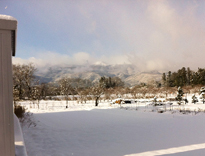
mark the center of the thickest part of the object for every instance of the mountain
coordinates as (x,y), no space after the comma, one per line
(144,77)
(94,72)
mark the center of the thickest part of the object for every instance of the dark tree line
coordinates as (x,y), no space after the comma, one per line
(184,77)
(112,82)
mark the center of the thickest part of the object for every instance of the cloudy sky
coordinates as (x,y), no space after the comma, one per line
(150,34)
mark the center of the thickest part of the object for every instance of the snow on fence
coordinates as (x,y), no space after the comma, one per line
(61,105)
(135,104)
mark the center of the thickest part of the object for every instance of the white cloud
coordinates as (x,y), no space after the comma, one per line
(45,59)
(18,60)
(81,58)
(152,35)
(53,58)
(115,59)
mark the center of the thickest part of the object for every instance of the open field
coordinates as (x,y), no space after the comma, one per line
(111,130)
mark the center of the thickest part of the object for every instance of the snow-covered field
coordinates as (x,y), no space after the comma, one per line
(111,130)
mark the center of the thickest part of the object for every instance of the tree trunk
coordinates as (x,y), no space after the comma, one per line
(96,101)
(20,93)
(66,103)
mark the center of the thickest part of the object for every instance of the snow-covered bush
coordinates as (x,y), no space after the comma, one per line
(19,111)
(194,99)
(180,93)
(155,101)
(202,94)
(24,117)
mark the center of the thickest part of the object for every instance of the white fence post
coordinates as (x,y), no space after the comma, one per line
(8,26)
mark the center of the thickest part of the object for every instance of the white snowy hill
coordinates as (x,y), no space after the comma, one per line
(126,72)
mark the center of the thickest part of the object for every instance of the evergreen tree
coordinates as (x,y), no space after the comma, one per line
(169,79)
(195,78)
(184,76)
(201,76)
(111,82)
(189,74)
(180,94)
(202,93)
(164,79)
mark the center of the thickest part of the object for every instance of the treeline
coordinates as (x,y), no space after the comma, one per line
(184,77)
(27,87)
(111,82)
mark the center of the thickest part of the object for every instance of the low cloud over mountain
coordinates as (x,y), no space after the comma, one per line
(126,72)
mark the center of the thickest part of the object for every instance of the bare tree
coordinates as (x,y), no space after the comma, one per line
(127,92)
(39,92)
(15,96)
(80,87)
(143,91)
(36,95)
(134,92)
(65,88)
(23,79)
(108,93)
(43,88)
(97,91)
(53,90)
(83,95)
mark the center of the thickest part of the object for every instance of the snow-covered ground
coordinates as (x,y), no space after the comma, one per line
(111,130)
